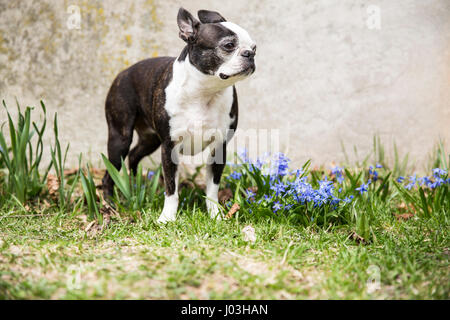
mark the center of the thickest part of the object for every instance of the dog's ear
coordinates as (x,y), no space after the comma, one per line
(207,16)
(188,25)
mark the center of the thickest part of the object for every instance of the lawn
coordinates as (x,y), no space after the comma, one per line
(364,230)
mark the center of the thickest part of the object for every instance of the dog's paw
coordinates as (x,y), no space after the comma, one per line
(163,219)
(169,212)
(214,211)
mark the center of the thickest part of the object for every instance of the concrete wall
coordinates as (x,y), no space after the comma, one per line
(323,76)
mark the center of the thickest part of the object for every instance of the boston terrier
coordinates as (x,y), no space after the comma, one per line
(182,104)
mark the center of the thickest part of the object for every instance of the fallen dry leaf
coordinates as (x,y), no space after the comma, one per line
(89,226)
(406,211)
(46,203)
(225,195)
(98,172)
(357,238)
(93,228)
(403,216)
(232,211)
(406,207)
(52,185)
(83,218)
(70,172)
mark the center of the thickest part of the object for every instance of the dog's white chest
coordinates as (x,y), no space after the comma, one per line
(197,117)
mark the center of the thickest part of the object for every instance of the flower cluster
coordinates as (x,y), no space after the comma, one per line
(373,172)
(281,189)
(438,178)
(286,188)
(339,173)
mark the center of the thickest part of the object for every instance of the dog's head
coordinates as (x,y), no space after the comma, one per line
(216,47)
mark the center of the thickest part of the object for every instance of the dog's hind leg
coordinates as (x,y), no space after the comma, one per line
(147,144)
(120,121)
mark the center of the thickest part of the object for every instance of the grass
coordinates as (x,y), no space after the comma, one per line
(389,242)
(44,257)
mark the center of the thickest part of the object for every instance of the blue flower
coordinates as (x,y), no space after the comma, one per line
(338,172)
(250,195)
(425,181)
(243,154)
(374,174)
(400,179)
(278,188)
(280,165)
(437,183)
(364,187)
(297,172)
(379,166)
(150,175)
(288,206)
(276,206)
(348,199)
(236,175)
(437,172)
(412,182)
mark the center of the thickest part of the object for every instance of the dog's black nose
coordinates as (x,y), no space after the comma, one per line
(248,53)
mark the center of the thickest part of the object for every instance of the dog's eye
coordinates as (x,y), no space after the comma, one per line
(229,45)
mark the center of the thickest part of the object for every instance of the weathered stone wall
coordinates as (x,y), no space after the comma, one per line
(323,76)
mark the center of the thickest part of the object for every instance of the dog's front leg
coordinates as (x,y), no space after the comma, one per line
(214,171)
(169,158)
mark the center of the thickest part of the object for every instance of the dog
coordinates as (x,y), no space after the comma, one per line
(171,102)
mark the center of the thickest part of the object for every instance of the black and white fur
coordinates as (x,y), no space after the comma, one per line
(182,104)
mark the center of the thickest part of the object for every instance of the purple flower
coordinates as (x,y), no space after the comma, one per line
(437,183)
(251,195)
(280,165)
(243,154)
(425,181)
(379,166)
(437,172)
(400,179)
(297,172)
(276,206)
(348,199)
(150,175)
(236,175)
(338,172)
(364,187)
(278,188)
(412,182)
(288,206)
